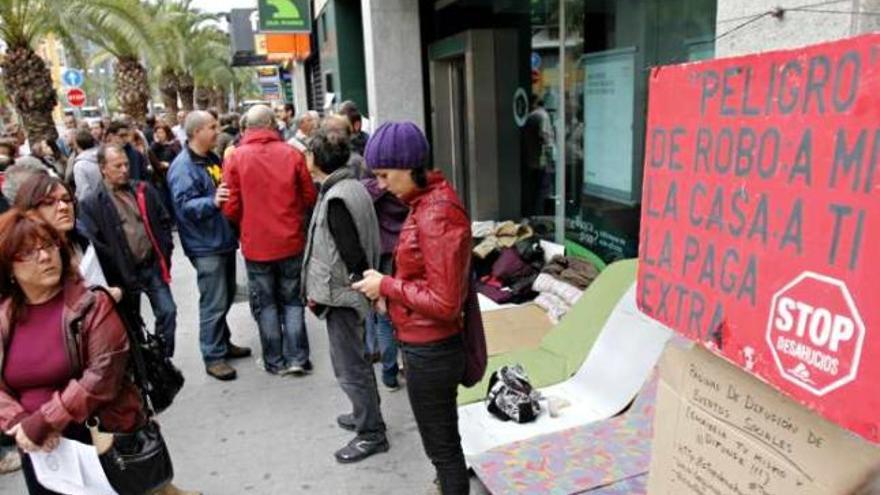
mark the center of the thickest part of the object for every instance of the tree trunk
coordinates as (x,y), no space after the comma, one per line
(132,88)
(28,83)
(186,86)
(168,88)
(203,97)
(218,99)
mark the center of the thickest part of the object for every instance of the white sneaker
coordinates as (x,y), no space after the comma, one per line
(262,365)
(293,369)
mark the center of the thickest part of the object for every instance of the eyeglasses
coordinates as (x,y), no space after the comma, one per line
(34,254)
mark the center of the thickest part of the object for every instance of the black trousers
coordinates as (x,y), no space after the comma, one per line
(433,372)
(74,432)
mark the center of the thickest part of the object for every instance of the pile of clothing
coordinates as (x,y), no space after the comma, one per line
(561,283)
(508,259)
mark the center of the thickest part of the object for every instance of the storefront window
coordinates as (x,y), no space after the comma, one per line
(609,48)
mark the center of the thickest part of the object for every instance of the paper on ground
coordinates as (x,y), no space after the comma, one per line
(615,370)
(72,468)
(487,304)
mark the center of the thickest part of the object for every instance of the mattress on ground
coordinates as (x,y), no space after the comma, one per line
(615,370)
(576,334)
(570,341)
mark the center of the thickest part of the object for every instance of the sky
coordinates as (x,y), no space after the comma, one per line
(218,6)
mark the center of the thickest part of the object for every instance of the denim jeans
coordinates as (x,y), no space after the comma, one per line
(345,331)
(433,372)
(149,278)
(162,302)
(380,338)
(274,289)
(216,281)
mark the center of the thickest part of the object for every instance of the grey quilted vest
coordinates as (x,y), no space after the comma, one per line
(325,278)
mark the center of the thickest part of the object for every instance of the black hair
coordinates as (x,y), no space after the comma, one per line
(151,120)
(84,139)
(330,152)
(288,107)
(116,126)
(420,177)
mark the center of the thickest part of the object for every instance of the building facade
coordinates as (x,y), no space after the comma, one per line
(536,109)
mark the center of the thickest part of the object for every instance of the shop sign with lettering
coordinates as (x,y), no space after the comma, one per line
(761,218)
(285,16)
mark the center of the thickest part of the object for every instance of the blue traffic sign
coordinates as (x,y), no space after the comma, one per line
(536,60)
(72,78)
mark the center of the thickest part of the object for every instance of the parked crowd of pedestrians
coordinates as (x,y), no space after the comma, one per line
(350,227)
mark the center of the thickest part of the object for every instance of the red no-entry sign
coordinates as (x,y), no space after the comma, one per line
(76,97)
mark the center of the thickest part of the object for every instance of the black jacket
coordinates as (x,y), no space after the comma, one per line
(103,226)
(138,166)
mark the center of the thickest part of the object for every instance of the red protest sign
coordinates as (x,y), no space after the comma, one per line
(76,97)
(761,209)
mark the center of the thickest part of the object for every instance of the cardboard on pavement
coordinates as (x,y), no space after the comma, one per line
(720,431)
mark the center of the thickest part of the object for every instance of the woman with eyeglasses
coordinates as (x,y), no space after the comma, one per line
(63,348)
(51,199)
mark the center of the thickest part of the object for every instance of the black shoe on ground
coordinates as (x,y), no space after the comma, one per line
(391,383)
(307,366)
(221,371)
(361,448)
(235,352)
(346,422)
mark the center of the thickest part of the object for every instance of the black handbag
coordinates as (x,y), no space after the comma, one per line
(138,462)
(156,376)
(160,379)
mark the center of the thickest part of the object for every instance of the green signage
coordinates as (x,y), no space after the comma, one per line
(285,16)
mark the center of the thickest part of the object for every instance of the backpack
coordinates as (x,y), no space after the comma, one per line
(511,397)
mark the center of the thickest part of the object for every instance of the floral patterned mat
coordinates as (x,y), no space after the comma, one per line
(608,457)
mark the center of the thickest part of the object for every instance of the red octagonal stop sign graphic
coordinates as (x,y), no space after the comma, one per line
(815,333)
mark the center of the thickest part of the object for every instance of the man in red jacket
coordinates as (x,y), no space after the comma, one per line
(270,196)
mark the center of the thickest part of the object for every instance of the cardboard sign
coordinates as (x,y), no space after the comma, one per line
(760,215)
(720,431)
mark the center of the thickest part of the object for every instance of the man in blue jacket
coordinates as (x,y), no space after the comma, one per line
(209,240)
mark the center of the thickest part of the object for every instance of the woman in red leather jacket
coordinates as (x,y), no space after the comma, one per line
(425,296)
(63,348)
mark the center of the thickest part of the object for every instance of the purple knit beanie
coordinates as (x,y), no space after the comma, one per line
(399,145)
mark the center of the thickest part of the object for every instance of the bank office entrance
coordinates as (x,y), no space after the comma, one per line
(538,107)
(475,141)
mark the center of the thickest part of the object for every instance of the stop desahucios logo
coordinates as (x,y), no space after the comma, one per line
(815,333)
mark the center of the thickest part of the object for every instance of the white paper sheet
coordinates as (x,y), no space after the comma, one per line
(487,304)
(615,370)
(90,268)
(551,249)
(73,468)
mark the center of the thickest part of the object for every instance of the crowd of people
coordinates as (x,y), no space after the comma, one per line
(328,218)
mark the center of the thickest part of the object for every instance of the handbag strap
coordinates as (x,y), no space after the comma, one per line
(135,351)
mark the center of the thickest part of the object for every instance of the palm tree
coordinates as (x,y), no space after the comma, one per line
(23,24)
(211,67)
(121,28)
(176,25)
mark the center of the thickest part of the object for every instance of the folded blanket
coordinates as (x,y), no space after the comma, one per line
(575,271)
(556,308)
(563,290)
